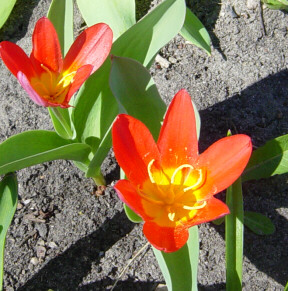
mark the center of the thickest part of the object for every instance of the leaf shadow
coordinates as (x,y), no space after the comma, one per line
(261,112)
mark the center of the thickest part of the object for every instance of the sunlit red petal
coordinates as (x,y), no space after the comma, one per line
(225,161)
(165,239)
(177,141)
(128,194)
(29,89)
(46,46)
(134,147)
(15,59)
(214,209)
(92,46)
(80,77)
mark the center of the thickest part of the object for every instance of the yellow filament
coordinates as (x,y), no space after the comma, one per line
(171,216)
(195,207)
(149,171)
(179,169)
(199,181)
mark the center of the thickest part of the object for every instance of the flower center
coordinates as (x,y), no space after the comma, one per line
(170,195)
(53,86)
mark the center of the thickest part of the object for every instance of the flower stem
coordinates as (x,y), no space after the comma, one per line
(234,237)
(61,122)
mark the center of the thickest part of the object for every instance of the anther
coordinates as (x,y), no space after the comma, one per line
(149,171)
(171,216)
(195,207)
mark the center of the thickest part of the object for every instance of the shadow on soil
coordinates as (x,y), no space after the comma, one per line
(259,111)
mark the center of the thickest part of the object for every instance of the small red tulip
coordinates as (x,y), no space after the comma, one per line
(49,79)
(169,184)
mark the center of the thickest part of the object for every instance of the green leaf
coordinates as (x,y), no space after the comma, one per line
(180,268)
(95,106)
(219,221)
(61,15)
(268,160)
(38,146)
(6,7)
(276,4)
(234,237)
(144,39)
(132,216)
(119,15)
(286,287)
(194,31)
(8,204)
(258,223)
(136,93)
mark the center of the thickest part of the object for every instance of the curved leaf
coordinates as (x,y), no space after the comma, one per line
(5,10)
(258,223)
(8,204)
(38,146)
(119,15)
(194,31)
(268,160)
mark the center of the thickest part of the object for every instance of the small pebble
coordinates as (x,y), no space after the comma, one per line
(252,4)
(34,261)
(162,62)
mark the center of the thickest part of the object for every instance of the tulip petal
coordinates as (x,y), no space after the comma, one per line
(92,46)
(46,46)
(128,194)
(134,147)
(177,141)
(80,77)
(225,161)
(167,239)
(15,59)
(31,92)
(214,209)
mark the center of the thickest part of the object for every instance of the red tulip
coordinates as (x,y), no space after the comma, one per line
(49,79)
(169,184)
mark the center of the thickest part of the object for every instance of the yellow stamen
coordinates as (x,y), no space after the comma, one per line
(149,171)
(199,181)
(195,207)
(171,216)
(179,169)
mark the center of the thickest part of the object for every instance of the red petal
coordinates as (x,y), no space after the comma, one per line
(128,194)
(80,77)
(225,161)
(15,59)
(31,92)
(46,46)
(134,147)
(214,209)
(91,47)
(165,239)
(177,141)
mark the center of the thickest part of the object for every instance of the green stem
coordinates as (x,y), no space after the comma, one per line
(180,268)
(99,179)
(234,237)
(56,113)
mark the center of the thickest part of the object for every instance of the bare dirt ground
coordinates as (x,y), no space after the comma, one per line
(66,237)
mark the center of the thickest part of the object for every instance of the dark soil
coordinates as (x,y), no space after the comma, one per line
(65,236)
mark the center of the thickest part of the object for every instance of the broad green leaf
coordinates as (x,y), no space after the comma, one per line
(119,15)
(6,7)
(286,287)
(268,160)
(258,223)
(95,106)
(219,221)
(234,237)
(194,31)
(8,204)
(136,93)
(144,39)
(180,268)
(131,214)
(38,146)
(61,15)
